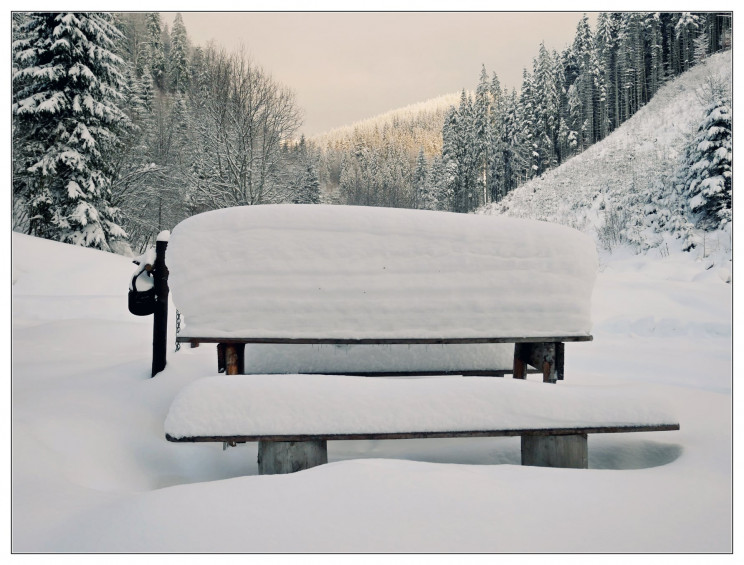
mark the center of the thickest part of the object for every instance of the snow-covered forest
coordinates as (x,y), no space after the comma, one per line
(122,128)
(494,139)
(140,129)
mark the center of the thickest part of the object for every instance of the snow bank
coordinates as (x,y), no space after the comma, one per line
(325,404)
(357,272)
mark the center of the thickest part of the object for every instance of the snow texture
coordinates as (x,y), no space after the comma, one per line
(233,405)
(283,358)
(315,271)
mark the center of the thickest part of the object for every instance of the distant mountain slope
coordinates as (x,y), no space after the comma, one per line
(414,126)
(609,189)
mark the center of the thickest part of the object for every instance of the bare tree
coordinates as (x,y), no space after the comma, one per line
(240,117)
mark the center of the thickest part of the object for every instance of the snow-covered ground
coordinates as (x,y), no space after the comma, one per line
(92,471)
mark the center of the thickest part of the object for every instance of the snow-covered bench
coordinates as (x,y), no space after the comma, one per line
(432,292)
(293,416)
(410,292)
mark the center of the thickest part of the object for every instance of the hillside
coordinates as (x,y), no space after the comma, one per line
(414,126)
(612,189)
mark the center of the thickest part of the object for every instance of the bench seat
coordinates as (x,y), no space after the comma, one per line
(293,416)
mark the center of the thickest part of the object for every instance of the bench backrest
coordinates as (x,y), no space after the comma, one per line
(308,271)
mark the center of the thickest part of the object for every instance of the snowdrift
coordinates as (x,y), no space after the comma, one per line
(309,271)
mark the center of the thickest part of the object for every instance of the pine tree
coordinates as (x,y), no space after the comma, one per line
(482,137)
(179,56)
(654,53)
(708,181)
(65,100)
(154,41)
(497,151)
(309,190)
(686,30)
(420,181)
(547,106)
(606,44)
(583,49)
(700,47)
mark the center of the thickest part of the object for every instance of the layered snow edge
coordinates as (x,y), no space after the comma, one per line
(308,271)
(234,405)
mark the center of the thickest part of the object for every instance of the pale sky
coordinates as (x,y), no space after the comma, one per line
(345,67)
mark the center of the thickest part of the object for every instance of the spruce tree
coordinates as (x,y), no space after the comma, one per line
(66,92)
(420,181)
(708,181)
(179,56)
(482,136)
(154,44)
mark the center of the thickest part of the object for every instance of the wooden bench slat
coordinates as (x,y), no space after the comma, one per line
(424,435)
(383,341)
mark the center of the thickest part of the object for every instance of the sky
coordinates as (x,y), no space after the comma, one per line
(345,67)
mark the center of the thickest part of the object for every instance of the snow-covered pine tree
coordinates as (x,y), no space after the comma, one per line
(700,44)
(179,56)
(516,147)
(66,92)
(420,181)
(606,46)
(482,137)
(686,30)
(654,53)
(439,186)
(547,105)
(154,44)
(498,143)
(526,120)
(583,47)
(708,181)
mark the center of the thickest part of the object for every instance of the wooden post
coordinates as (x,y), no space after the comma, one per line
(231,358)
(546,357)
(281,457)
(520,364)
(160,321)
(568,451)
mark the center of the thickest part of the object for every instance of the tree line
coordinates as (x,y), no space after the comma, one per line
(496,139)
(122,128)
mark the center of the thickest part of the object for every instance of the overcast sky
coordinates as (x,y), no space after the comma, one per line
(344,67)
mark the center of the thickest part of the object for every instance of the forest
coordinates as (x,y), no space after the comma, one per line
(122,127)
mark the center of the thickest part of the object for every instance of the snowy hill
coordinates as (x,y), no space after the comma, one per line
(608,190)
(414,126)
(92,471)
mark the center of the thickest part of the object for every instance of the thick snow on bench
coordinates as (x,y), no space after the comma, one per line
(323,404)
(314,271)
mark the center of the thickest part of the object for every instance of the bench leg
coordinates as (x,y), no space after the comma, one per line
(569,451)
(280,457)
(231,358)
(546,357)
(521,354)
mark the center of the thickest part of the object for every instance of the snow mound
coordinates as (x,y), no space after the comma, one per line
(325,404)
(309,271)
